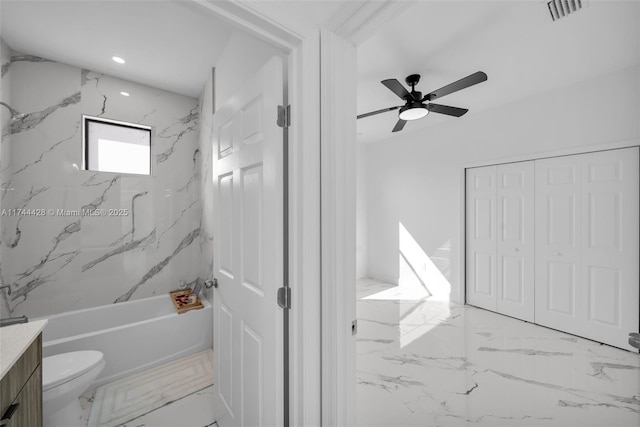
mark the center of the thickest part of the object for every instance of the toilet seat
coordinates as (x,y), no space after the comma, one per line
(62,368)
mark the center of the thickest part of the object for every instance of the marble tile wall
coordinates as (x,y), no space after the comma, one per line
(5,116)
(56,263)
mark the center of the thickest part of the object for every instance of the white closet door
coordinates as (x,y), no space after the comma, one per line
(481,237)
(558,242)
(515,242)
(609,270)
(587,245)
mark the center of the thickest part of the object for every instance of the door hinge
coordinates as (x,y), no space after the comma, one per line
(634,340)
(284,116)
(284,297)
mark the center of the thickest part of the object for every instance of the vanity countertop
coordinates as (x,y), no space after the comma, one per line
(14,340)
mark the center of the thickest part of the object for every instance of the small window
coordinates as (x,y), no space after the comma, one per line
(112,146)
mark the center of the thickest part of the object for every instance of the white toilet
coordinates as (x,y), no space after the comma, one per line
(64,378)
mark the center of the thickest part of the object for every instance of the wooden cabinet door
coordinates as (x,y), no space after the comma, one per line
(29,411)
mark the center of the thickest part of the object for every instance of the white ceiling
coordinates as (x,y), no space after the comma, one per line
(306,12)
(171,45)
(516,43)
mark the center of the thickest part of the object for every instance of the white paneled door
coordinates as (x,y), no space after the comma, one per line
(500,239)
(515,242)
(558,241)
(587,280)
(555,241)
(481,237)
(248,255)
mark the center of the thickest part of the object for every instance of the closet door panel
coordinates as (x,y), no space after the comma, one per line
(610,246)
(515,242)
(481,237)
(587,252)
(557,242)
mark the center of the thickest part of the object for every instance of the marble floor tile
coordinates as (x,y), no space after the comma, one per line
(435,363)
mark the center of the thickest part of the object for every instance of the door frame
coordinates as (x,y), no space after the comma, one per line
(302,53)
(523,158)
(321,208)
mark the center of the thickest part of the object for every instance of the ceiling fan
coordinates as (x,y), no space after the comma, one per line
(416,106)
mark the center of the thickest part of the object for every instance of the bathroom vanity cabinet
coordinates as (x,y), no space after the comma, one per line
(21,389)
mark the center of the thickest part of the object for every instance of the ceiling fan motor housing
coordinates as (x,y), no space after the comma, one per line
(412,79)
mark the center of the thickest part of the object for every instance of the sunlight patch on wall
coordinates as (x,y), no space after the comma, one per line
(420,278)
(418,270)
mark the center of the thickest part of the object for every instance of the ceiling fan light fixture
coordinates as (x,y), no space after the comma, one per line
(415,107)
(413,111)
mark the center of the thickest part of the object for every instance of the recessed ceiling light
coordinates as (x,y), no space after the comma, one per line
(118,59)
(124,93)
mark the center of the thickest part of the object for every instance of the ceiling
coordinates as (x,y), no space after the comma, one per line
(306,12)
(516,43)
(171,45)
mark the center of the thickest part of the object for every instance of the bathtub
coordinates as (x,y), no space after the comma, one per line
(133,336)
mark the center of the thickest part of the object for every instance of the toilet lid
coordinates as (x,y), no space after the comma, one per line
(64,367)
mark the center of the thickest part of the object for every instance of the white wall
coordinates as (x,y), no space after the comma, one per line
(361,212)
(242,57)
(416,180)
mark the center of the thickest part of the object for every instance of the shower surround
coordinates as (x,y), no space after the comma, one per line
(56,262)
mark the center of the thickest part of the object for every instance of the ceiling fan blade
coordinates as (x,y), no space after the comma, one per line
(396,87)
(463,83)
(445,109)
(384,110)
(399,125)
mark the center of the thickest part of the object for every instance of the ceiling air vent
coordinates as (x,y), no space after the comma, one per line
(561,8)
